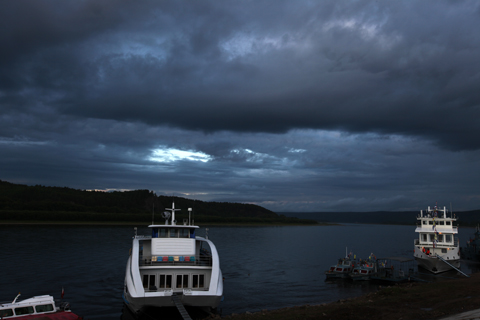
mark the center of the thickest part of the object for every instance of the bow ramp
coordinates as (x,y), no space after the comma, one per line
(181,308)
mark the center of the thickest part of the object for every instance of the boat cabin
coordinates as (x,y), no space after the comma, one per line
(435,227)
(32,306)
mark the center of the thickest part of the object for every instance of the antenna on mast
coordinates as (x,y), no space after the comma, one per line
(153,212)
(174,222)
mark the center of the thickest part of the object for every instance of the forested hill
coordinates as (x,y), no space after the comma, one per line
(22,202)
(464,218)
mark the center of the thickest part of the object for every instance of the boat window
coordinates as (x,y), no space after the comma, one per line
(432,237)
(424,222)
(444,250)
(145,280)
(424,237)
(163,232)
(165,281)
(448,238)
(6,313)
(442,223)
(149,281)
(23,310)
(44,308)
(430,222)
(173,233)
(182,280)
(198,281)
(440,238)
(447,223)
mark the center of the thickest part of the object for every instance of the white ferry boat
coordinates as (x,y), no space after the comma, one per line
(38,307)
(173,266)
(437,249)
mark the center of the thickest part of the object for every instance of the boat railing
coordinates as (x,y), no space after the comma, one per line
(440,244)
(197,260)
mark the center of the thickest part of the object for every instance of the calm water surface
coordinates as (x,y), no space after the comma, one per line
(264,267)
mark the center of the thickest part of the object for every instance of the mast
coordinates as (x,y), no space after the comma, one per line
(174,222)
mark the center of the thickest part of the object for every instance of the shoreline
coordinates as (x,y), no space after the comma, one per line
(127,223)
(407,301)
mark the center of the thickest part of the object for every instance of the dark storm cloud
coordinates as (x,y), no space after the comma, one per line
(295,105)
(406,68)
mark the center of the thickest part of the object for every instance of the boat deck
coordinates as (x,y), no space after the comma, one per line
(194,261)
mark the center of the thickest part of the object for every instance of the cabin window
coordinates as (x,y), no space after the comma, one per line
(182,280)
(149,281)
(430,222)
(432,237)
(424,222)
(444,250)
(165,281)
(44,308)
(447,222)
(173,233)
(448,238)
(198,281)
(184,233)
(162,233)
(23,310)
(442,223)
(6,313)
(440,238)
(424,237)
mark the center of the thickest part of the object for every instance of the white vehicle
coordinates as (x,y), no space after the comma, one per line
(437,249)
(173,266)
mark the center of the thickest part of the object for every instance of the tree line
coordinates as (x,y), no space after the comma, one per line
(41,203)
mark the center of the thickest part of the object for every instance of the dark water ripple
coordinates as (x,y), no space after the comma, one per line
(264,267)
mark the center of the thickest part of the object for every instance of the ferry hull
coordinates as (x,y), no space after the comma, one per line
(436,265)
(136,304)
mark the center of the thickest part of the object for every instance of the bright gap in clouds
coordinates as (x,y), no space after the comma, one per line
(171,155)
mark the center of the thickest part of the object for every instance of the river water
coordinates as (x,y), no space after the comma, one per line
(264,267)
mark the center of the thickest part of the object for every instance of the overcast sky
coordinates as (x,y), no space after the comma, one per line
(291,105)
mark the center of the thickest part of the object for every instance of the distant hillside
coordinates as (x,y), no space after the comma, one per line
(465,218)
(22,202)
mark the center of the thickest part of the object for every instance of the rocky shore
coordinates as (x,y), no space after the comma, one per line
(414,300)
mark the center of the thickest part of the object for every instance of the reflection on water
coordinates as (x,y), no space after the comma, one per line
(264,267)
(170,313)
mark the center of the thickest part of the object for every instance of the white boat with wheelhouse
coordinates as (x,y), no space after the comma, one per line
(38,307)
(437,248)
(173,265)
(343,268)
